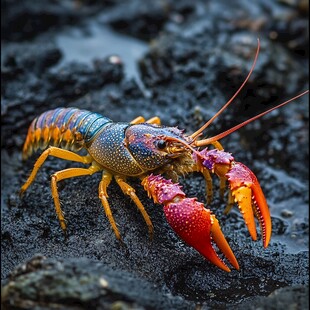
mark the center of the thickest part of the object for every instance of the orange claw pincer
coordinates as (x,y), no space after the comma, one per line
(245,189)
(248,194)
(193,223)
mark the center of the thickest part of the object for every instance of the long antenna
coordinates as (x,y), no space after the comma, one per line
(229,131)
(200,130)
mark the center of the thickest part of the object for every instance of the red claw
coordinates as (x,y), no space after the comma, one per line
(244,187)
(197,227)
(248,194)
(190,220)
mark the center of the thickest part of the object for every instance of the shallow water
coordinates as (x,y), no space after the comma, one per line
(97,41)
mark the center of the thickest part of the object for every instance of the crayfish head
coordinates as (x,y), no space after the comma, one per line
(154,146)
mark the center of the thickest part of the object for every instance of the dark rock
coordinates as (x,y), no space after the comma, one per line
(145,19)
(81,284)
(295,297)
(23,20)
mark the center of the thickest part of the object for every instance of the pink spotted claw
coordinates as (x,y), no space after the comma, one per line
(196,225)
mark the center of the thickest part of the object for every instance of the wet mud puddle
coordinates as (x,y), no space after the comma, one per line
(95,41)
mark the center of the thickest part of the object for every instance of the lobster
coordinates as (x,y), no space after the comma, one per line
(157,155)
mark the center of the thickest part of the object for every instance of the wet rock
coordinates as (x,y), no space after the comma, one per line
(295,297)
(81,284)
(145,19)
(287,213)
(25,20)
(36,58)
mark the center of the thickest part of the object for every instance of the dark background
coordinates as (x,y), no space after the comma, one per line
(181,61)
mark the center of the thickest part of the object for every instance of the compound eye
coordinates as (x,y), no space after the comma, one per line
(161,144)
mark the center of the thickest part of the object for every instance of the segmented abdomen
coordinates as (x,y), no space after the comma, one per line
(68,128)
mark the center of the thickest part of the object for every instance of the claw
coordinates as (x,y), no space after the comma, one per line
(197,227)
(245,189)
(190,220)
(249,196)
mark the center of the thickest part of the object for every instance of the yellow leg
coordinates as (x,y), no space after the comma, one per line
(222,186)
(218,145)
(56,152)
(230,203)
(206,174)
(209,187)
(103,196)
(208,179)
(154,120)
(66,174)
(140,119)
(128,190)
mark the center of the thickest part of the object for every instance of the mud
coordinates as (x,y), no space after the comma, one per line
(185,62)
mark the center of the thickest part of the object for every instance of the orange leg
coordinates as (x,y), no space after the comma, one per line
(128,190)
(66,174)
(140,119)
(208,179)
(209,187)
(56,152)
(103,196)
(222,187)
(154,120)
(230,203)
(218,145)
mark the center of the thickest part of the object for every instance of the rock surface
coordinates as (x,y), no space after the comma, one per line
(199,54)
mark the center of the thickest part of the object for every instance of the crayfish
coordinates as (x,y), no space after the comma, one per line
(157,155)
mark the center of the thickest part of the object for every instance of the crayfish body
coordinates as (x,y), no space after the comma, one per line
(153,153)
(147,151)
